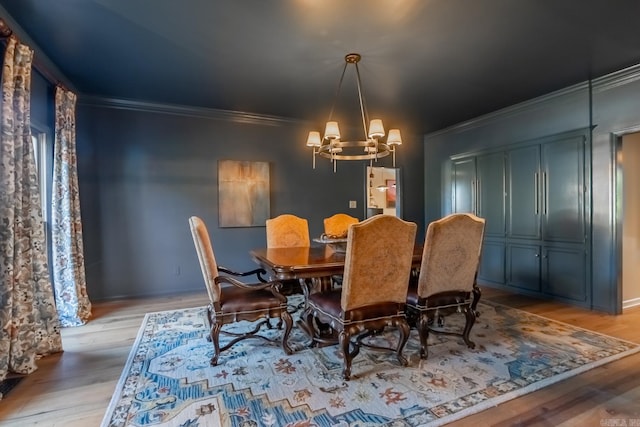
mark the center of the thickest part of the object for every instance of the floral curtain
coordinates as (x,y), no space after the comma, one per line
(29,324)
(74,307)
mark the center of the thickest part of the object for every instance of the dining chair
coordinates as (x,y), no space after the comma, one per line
(447,279)
(231,300)
(336,226)
(374,288)
(287,230)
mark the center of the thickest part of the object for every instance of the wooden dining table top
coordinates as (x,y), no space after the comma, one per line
(308,262)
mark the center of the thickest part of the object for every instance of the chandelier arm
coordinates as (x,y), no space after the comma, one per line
(336,149)
(363,108)
(335,157)
(329,151)
(335,98)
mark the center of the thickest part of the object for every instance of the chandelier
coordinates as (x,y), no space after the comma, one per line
(371,147)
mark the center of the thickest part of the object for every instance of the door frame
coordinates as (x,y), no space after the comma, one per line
(618,211)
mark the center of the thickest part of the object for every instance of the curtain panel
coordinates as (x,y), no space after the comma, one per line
(29,323)
(72,301)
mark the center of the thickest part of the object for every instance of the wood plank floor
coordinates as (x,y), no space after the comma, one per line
(73,388)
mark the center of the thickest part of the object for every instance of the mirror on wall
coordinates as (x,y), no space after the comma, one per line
(383,192)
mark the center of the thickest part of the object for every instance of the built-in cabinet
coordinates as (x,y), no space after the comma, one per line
(479,188)
(533,196)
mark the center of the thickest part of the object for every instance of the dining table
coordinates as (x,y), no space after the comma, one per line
(315,267)
(317,263)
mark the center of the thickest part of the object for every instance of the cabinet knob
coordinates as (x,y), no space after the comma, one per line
(537,255)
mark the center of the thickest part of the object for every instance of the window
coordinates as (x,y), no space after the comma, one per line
(39,140)
(43,156)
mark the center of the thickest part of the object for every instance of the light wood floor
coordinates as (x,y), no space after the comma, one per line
(73,388)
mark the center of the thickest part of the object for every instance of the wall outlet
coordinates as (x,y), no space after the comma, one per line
(353,204)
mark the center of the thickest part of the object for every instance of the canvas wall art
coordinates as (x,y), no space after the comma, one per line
(243,193)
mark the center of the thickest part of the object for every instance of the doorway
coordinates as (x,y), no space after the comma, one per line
(383,191)
(628,219)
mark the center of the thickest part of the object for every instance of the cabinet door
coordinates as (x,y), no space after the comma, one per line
(523,189)
(524,266)
(491,268)
(463,181)
(563,190)
(564,272)
(491,194)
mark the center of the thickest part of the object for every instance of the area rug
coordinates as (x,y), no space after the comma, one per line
(168,381)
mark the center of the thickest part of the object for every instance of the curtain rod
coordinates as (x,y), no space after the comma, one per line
(5,31)
(37,64)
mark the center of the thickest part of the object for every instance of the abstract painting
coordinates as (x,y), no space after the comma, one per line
(243,193)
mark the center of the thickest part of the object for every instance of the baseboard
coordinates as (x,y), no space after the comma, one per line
(634,302)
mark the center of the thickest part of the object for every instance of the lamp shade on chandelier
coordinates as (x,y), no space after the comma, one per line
(371,146)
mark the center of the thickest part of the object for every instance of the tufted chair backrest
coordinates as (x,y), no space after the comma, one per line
(378,261)
(451,254)
(336,226)
(286,230)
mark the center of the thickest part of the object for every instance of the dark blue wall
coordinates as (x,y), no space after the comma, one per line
(143,173)
(611,104)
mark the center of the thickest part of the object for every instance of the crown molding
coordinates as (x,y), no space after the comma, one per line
(183,110)
(601,84)
(512,110)
(617,79)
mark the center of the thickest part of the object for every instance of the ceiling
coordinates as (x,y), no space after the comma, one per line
(426,64)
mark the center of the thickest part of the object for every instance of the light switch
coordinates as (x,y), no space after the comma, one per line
(353,204)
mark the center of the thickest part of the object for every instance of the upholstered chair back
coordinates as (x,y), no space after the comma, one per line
(286,230)
(336,226)
(451,254)
(206,257)
(377,261)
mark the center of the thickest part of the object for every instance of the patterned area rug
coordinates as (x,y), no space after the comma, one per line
(168,380)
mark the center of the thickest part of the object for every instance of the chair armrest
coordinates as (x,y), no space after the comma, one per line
(273,286)
(258,272)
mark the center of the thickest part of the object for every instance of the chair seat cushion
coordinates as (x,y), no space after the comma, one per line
(238,300)
(439,300)
(328,304)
